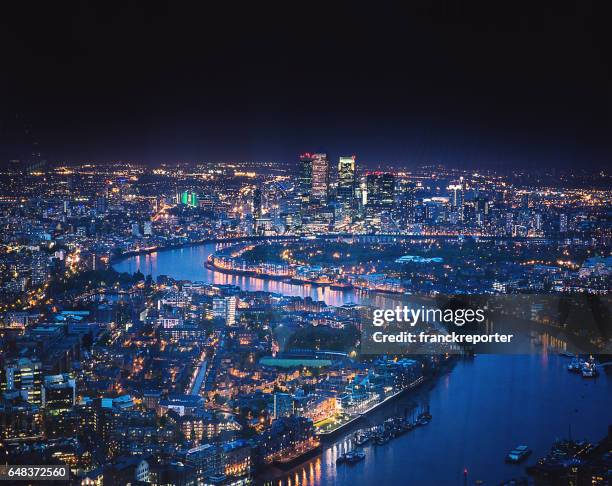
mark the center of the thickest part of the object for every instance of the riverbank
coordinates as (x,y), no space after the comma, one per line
(337,441)
(329,435)
(477,405)
(191,244)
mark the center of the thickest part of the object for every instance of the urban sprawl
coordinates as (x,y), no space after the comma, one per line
(130,378)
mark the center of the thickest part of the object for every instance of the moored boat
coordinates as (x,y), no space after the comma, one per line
(351,457)
(518,454)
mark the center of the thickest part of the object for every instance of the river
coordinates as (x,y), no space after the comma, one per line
(188,264)
(481,409)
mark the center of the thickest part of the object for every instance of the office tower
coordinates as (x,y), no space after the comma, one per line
(314,179)
(457,197)
(482,208)
(406,202)
(225,308)
(320,179)
(380,187)
(305,182)
(24,375)
(135,229)
(58,393)
(346,181)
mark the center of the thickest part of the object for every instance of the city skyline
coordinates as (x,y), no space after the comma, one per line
(306,246)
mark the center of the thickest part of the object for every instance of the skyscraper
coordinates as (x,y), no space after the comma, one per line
(457,197)
(406,204)
(380,188)
(320,179)
(305,182)
(346,181)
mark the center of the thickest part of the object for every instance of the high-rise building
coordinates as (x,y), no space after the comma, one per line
(58,393)
(320,179)
(457,197)
(314,179)
(24,375)
(380,187)
(346,181)
(225,308)
(305,182)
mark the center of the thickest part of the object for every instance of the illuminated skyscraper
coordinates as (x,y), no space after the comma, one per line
(320,179)
(305,183)
(346,181)
(314,180)
(380,188)
(457,196)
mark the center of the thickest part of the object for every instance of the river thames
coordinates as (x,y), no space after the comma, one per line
(481,409)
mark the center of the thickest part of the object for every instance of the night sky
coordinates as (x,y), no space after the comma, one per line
(456,83)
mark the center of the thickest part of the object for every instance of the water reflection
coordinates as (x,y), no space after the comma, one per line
(487,404)
(188,264)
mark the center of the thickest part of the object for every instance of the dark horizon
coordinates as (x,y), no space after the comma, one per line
(463,86)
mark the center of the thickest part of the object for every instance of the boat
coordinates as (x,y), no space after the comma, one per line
(588,370)
(362,438)
(340,286)
(351,457)
(423,421)
(382,439)
(575,365)
(354,457)
(518,454)
(424,417)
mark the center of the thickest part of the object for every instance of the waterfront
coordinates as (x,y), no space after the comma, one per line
(188,263)
(481,409)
